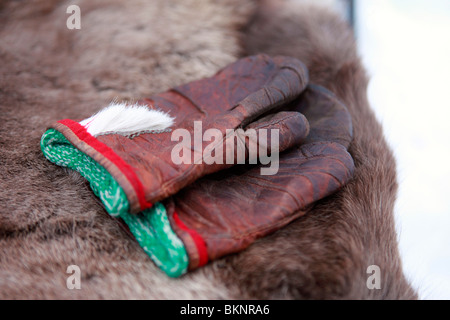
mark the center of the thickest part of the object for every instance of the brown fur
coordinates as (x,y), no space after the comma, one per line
(49,218)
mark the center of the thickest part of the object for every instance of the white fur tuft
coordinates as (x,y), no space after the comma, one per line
(126,120)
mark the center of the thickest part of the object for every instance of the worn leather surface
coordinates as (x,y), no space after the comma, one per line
(248,90)
(233,207)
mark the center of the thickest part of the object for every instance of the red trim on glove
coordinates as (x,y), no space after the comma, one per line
(198,240)
(108,153)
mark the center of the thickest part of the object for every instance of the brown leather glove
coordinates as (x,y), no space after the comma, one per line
(225,212)
(249,89)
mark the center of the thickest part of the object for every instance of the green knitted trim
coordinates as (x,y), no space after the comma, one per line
(152,230)
(151,227)
(58,150)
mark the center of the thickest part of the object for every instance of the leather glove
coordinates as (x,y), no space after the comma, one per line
(225,212)
(247,90)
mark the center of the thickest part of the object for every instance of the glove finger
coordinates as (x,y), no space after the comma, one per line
(276,133)
(260,142)
(329,118)
(285,86)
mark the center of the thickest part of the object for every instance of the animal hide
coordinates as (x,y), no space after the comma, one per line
(49,217)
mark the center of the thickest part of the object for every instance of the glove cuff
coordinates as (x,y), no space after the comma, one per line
(151,227)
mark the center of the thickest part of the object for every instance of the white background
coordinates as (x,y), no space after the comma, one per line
(405,45)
